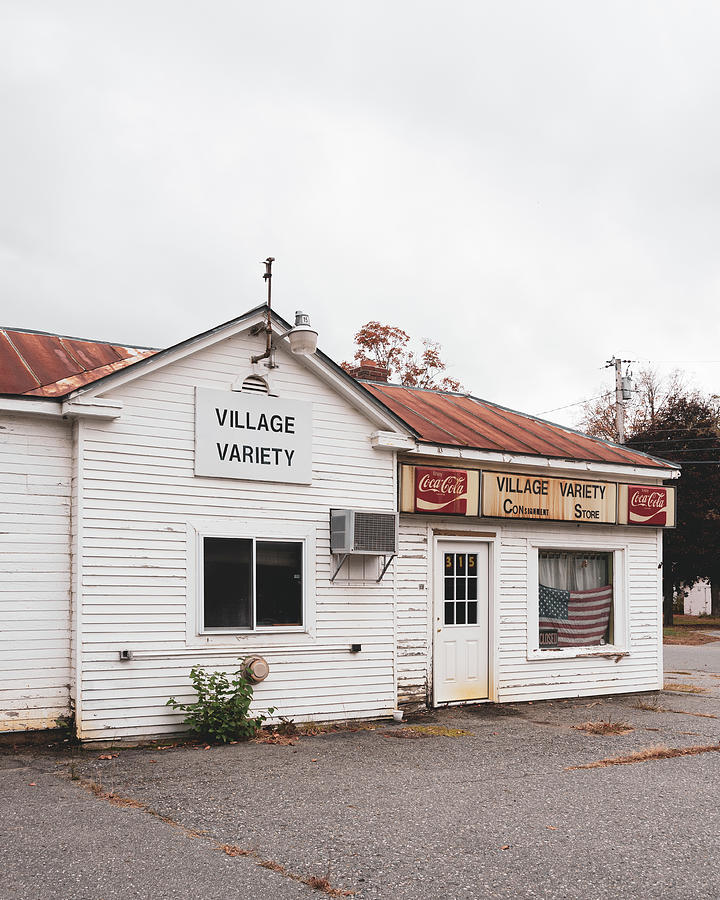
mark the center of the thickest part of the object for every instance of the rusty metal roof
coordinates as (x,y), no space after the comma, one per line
(39,364)
(460,420)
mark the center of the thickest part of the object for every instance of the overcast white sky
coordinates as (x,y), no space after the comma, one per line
(536,185)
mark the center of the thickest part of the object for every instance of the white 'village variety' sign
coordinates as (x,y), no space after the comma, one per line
(254,437)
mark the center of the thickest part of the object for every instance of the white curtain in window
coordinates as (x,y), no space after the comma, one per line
(574,571)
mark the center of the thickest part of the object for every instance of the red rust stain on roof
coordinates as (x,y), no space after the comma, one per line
(49,365)
(462,421)
(45,356)
(15,377)
(91,355)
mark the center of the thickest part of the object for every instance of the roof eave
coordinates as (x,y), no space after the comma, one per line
(34,405)
(455,452)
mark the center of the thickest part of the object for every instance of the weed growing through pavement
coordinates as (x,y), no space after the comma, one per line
(650,753)
(603,727)
(650,705)
(654,707)
(288,733)
(233,850)
(420,731)
(682,688)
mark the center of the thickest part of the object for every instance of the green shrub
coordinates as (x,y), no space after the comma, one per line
(220,712)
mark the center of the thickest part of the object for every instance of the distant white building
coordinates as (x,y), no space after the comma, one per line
(697,600)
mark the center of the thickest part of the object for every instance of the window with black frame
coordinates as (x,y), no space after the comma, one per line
(250,583)
(575,599)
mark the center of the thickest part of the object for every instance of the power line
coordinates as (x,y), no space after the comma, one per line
(664,442)
(694,361)
(700,462)
(652,433)
(641,448)
(577,403)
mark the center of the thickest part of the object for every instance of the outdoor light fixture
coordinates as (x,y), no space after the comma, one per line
(302,338)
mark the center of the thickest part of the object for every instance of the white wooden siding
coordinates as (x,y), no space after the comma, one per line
(413,628)
(35,675)
(141,501)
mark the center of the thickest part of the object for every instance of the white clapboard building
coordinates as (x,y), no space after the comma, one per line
(378,546)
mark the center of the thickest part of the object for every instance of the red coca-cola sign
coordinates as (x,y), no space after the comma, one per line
(647,505)
(441,491)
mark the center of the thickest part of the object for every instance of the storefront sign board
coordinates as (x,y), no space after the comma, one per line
(642,504)
(436,491)
(507,495)
(252,437)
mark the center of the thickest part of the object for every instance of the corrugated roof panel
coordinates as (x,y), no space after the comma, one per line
(90,354)
(51,365)
(474,428)
(45,356)
(460,420)
(404,406)
(67,385)
(544,439)
(15,377)
(563,442)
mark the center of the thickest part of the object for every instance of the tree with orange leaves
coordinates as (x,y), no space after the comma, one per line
(388,347)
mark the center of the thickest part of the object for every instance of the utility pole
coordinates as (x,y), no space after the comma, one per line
(622,393)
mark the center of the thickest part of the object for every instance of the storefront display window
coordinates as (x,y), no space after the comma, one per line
(575,599)
(249,583)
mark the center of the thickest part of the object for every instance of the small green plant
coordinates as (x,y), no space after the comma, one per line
(220,712)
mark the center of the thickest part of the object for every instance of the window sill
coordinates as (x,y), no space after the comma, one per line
(251,640)
(606,652)
(245,632)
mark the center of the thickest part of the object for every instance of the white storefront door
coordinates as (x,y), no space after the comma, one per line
(461,622)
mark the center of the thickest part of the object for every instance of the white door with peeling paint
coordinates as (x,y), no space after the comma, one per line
(461,622)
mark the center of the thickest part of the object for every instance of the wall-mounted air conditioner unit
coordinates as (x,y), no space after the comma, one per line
(358,531)
(355,531)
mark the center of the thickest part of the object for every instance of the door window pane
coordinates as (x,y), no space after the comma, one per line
(460,588)
(472,576)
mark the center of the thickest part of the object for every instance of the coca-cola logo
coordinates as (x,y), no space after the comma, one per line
(647,505)
(441,491)
(450,484)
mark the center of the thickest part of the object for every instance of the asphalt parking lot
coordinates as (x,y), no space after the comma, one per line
(466,802)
